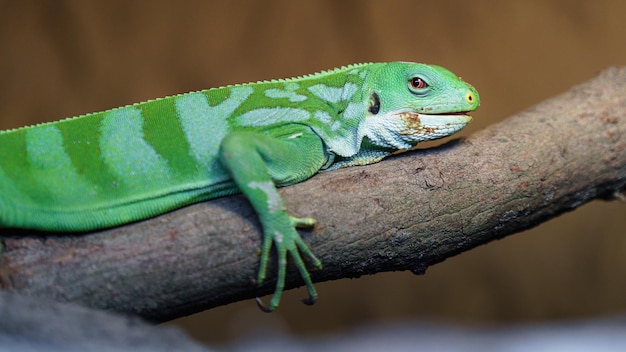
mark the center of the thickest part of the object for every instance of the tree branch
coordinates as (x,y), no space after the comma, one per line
(405,213)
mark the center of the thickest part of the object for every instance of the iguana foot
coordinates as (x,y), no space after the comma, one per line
(287,241)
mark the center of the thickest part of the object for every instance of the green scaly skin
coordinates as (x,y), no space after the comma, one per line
(122,165)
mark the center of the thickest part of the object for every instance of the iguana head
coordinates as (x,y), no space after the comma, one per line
(411,103)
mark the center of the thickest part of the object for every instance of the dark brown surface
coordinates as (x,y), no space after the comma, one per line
(60,59)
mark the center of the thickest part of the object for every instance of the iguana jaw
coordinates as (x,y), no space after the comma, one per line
(433,126)
(404,129)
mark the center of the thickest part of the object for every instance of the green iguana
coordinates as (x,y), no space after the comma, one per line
(122,165)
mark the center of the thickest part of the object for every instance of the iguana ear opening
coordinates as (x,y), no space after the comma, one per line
(374,106)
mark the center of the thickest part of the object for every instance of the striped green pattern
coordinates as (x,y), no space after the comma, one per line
(121,165)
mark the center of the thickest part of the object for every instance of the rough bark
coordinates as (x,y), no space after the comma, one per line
(405,213)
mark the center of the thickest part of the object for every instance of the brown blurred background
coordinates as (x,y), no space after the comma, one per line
(64,58)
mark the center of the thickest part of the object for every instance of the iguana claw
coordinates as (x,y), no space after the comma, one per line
(262,306)
(309,301)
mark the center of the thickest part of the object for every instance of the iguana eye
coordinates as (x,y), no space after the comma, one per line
(418,83)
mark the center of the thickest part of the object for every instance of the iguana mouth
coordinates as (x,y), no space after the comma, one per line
(458,113)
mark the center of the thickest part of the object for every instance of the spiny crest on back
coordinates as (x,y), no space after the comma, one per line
(305,76)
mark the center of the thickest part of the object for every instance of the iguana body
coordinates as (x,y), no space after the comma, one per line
(126,164)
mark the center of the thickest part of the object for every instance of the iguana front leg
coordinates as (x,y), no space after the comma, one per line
(257,162)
